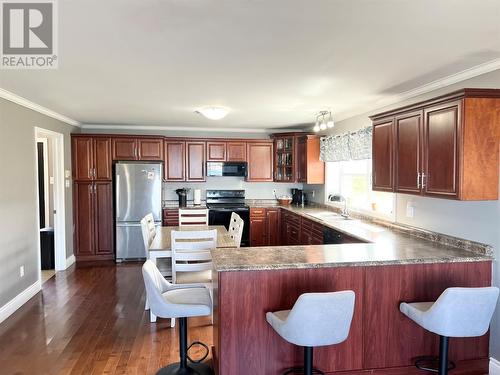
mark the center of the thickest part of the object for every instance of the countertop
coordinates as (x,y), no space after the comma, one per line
(385,246)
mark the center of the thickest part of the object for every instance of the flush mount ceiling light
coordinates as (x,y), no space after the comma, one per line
(324,120)
(213,113)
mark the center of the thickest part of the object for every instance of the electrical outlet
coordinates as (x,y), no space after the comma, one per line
(274,191)
(410,210)
(21,271)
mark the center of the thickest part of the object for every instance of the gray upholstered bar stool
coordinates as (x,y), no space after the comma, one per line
(316,319)
(181,301)
(458,312)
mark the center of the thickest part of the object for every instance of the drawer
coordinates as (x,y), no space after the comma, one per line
(257,212)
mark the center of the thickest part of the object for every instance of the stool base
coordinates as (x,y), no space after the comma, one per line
(301,370)
(443,365)
(431,364)
(190,369)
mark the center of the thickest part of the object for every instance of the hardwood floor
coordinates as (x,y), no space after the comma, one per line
(91,320)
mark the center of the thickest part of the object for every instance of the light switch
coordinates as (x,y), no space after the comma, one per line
(67,173)
(51,180)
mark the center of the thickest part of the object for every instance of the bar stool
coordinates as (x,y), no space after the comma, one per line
(316,319)
(458,312)
(178,301)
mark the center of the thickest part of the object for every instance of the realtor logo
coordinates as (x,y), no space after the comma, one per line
(28,34)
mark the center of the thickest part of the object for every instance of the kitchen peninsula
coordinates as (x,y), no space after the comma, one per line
(390,267)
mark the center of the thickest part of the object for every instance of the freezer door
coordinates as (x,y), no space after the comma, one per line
(137,191)
(129,243)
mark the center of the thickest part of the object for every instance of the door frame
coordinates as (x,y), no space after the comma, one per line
(59,198)
(45,142)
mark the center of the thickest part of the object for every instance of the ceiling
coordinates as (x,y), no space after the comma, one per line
(273,63)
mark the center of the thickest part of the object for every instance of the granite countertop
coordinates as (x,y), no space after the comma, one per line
(385,245)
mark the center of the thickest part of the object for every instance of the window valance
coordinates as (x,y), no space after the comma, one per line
(348,146)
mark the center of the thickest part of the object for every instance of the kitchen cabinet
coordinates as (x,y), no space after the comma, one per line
(195,161)
(446,147)
(310,169)
(236,151)
(91,158)
(175,166)
(260,161)
(170,217)
(284,157)
(184,161)
(311,232)
(216,151)
(290,228)
(133,148)
(265,226)
(93,217)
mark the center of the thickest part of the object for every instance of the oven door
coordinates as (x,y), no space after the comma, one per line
(222,216)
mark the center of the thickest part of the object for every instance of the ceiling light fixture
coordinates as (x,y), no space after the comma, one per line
(324,120)
(213,113)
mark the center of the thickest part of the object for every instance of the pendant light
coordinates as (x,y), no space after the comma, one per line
(324,120)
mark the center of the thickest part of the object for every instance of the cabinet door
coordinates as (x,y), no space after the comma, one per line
(174,160)
(441,143)
(236,151)
(260,161)
(103,218)
(301,158)
(273,227)
(195,161)
(102,159)
(383,155)
(150,149)
(216,151)
(258,231)
(408,129)
(84,218)
(83,162)
(124,149)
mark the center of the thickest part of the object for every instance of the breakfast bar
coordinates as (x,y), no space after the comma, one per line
(392,268)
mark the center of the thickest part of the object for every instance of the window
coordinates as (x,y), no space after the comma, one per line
(352,180)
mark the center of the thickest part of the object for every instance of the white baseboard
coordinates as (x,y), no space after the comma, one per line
(494,366)
(70,260)
(15,303)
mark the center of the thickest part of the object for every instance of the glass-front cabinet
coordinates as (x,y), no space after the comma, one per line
(284,163)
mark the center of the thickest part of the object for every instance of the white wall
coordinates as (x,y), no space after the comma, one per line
(478,221)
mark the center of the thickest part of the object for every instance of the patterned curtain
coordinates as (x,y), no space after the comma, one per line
(349,146)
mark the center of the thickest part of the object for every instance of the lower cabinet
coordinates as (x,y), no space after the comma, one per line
(93,211)
(265,226)
(170,217)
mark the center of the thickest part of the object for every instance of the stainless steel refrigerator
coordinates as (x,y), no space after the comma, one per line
(137,193)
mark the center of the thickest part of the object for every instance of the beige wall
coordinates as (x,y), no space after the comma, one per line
(18,194)
(478,221)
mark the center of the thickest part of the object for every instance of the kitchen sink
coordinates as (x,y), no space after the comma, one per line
(328,216)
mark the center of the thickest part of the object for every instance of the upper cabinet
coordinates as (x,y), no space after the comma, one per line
(216,151)
(226,151)
(296,158)
(447,147)
(260,161)
(184,160)
(91,158)
(132,148)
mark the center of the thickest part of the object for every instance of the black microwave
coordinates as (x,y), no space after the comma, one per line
(227,168)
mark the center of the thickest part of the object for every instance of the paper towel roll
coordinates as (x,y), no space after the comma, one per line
(197,196)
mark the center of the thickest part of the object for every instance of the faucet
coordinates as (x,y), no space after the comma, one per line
(345,212)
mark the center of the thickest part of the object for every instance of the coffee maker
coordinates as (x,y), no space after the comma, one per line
(182,193)
(297,197)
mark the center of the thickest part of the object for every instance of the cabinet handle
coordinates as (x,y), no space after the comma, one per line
(95,188)
(418,180)
(90,188)
(424,182)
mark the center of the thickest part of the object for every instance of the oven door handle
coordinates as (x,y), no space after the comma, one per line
(229,209)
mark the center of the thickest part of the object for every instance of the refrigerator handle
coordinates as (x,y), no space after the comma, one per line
(117,180)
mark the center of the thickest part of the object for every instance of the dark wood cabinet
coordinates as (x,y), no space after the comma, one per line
(408,128)
(124,148)
(310,169)
(175,166)
(446,147)
(383,155)
(441,138)
(150,149)
(170,217)
(290,229)
(236,151)
(273,227)
(91,158)
(216,151)
(285,163)
(93,216)
(195,161)
(258,231)
(260,161)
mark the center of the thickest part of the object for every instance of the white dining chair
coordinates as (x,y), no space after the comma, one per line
(236,228)
(191,258)
(148,229)
(193,216)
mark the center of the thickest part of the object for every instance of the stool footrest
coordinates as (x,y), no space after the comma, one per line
(431,364)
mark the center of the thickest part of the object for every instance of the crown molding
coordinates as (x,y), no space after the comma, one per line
(475,71)
(182,128)
(11,97)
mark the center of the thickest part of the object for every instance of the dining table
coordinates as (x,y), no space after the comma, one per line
(161,246)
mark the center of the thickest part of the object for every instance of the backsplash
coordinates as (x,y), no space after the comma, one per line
(253,190)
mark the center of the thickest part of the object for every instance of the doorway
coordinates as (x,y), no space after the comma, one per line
(50,176)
